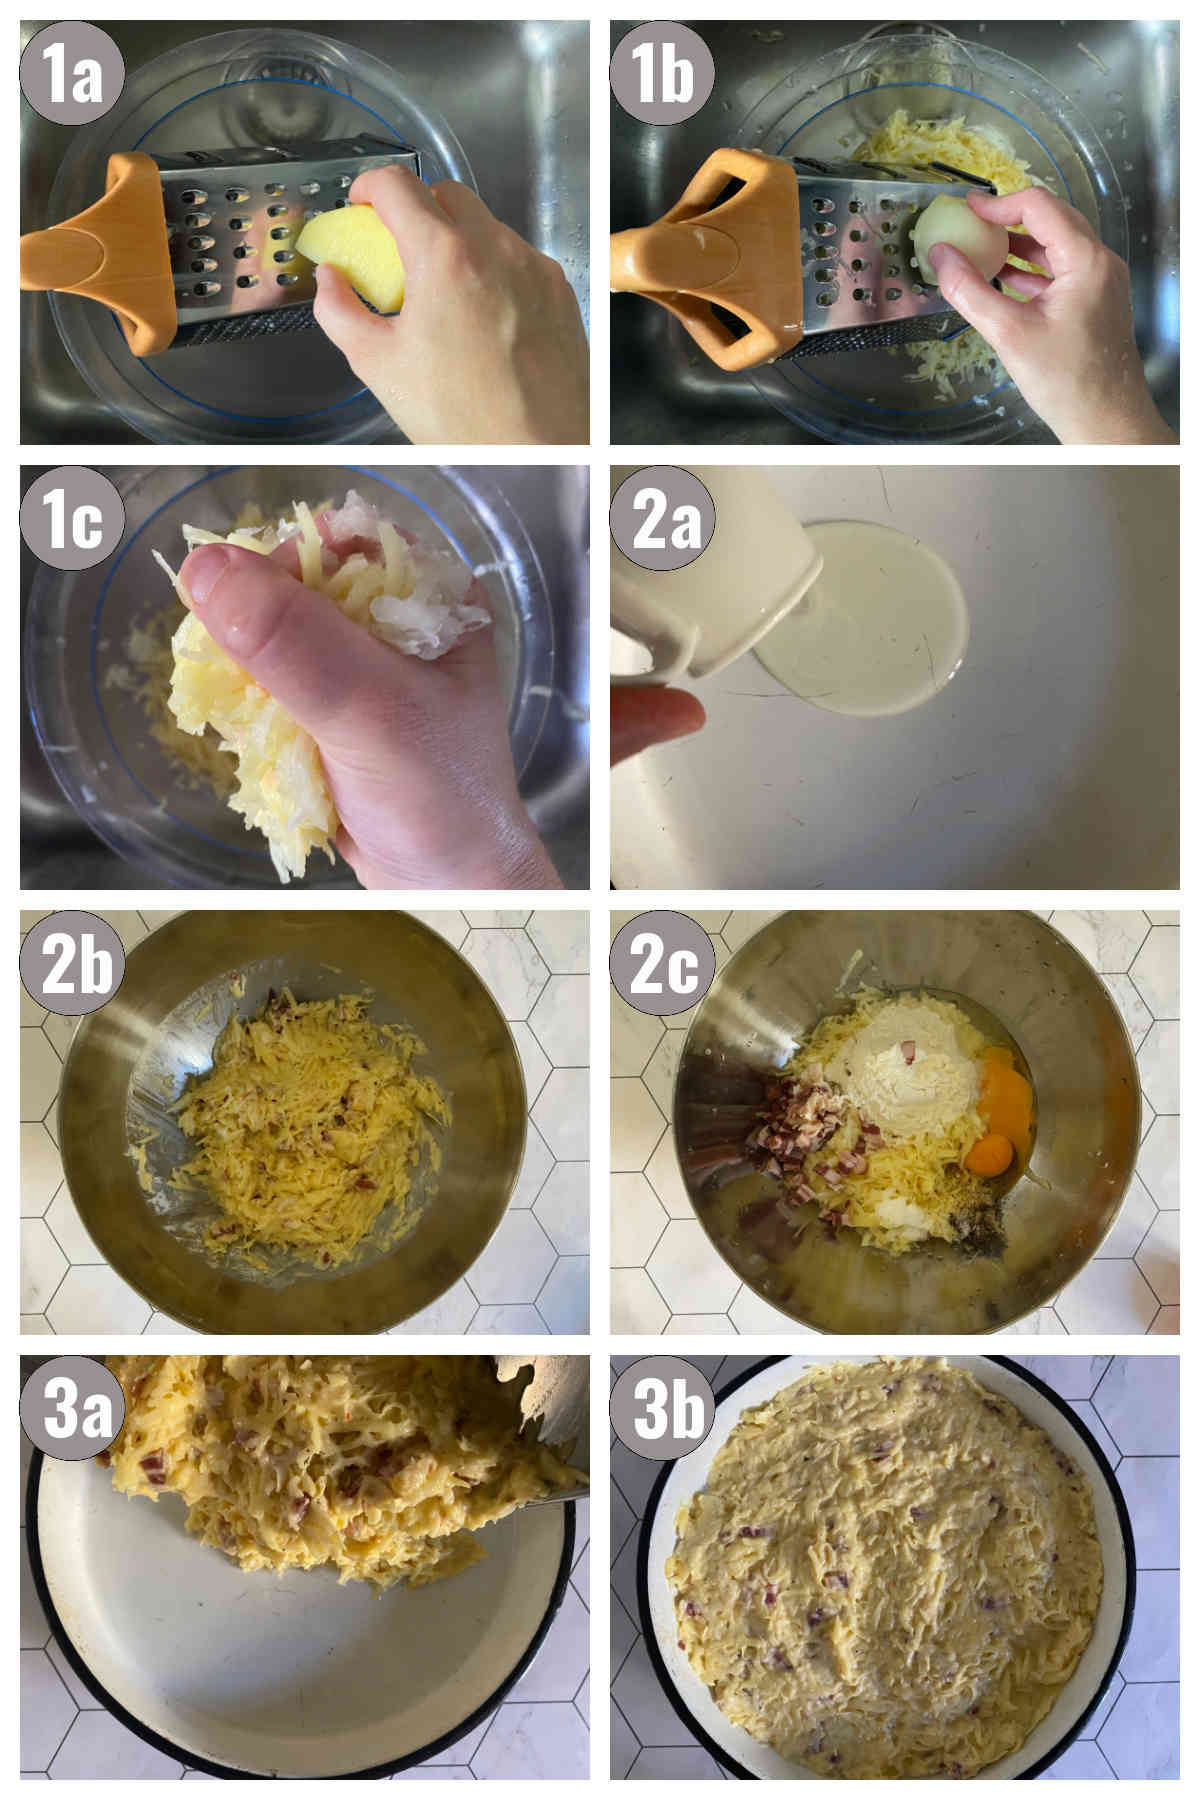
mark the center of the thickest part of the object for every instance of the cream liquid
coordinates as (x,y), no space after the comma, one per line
(882,629)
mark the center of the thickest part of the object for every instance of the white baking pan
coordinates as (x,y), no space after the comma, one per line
(292,1676)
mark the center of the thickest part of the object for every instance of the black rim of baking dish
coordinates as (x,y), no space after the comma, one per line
(225,1772)
(718,1751)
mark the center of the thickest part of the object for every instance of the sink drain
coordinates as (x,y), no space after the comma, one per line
(276,95)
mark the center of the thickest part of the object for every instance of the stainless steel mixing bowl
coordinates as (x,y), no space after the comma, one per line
(802,966)
(130,1060)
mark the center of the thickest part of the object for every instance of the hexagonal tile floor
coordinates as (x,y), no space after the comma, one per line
(532,1278)
(1131,1406)
(538,1732)
(667,1278)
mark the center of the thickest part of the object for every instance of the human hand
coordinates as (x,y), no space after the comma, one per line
(416,753)
(489,347)
(642,715)
(1068,343)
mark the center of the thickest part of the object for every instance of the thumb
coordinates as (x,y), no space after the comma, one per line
(641,716)
(356,331)
(968,293)
(307,654)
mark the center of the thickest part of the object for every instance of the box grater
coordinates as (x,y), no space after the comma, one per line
(198,246)
(764,257)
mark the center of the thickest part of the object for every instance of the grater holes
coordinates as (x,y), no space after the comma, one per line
(237,195)
(191,220)
(856,263)
(856,237)
(246,281)
(279,232)
(277,212)
(239,224)
(893,293)
(203,265)
(193,196)
(823,228)
(886,205)
(821,251)
(865,295)
(887,226)
(308,188)
(200,243)
(342,181)
(204,290)
(821,205)
(274,188)
(287,280)
(827,298)
(243,250)
(284,256)
(855,206)
(892,269)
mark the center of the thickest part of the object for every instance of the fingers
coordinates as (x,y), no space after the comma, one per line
(357,332)
(968,292)
(641,716)
(1024,282)
(406,206)
(317,663)
(1027,248)
(1061,230)
(462,205)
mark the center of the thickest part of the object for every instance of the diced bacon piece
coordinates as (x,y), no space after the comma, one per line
(908,1049)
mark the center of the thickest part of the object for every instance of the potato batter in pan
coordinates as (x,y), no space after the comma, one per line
(891,1573)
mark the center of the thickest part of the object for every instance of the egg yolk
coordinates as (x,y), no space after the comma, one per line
(989,1155)
(1006,1108)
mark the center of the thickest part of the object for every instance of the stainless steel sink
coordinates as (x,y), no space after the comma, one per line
(514,91)
(60,852)
(1123,75)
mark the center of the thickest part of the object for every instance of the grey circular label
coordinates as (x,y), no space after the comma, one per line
(662,963)
(72,963)
(72,518)
(72,1408)
(662,518)
(662,73)
(72,73)
(661,1408)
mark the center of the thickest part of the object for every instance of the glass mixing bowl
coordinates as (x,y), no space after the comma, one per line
(826,110)
(97,736)
(234,89)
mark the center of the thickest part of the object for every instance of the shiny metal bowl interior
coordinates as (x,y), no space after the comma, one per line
(1058,1011)
(131,1059)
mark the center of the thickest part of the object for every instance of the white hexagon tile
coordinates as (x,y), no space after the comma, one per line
(668,1280)
(533,1277)
(1130,1404)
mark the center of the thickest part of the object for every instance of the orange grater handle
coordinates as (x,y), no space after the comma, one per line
(743,254)
(115,252)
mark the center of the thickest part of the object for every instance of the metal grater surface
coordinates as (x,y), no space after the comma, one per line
(861,288)
(232,219)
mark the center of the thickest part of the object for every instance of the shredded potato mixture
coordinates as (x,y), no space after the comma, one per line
(411,597)
(920,142)
(890,1574)
(878,1120)
(380,1467)
(307,1126)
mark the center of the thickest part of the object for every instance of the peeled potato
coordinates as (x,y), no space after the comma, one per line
(949,220)
(356,241)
